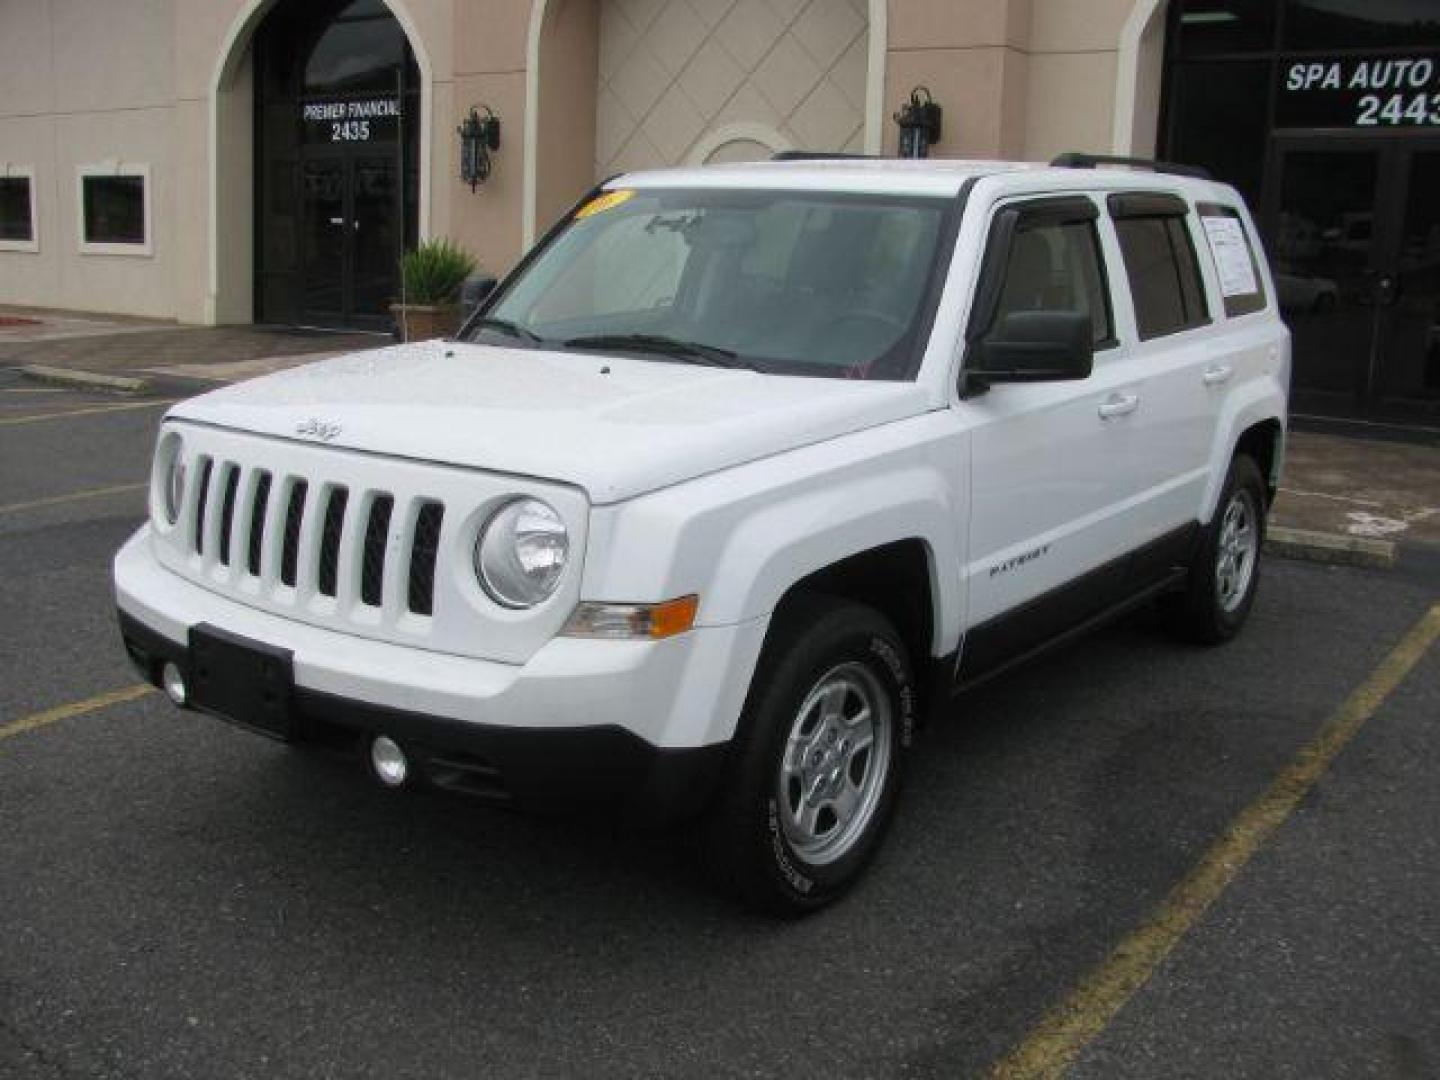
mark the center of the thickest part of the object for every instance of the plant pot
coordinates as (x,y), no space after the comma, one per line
(424,322)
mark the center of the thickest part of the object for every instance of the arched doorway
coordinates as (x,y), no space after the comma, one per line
(337,162)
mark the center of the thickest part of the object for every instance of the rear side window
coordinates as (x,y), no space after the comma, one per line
(1055,266)
(1160,264)
(1235,264)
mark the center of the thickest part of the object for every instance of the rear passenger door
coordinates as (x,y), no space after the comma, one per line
(1170,346)
(1053,464)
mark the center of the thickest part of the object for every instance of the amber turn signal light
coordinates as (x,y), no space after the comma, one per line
(631,621)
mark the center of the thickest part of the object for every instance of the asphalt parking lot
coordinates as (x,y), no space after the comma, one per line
(1092,867)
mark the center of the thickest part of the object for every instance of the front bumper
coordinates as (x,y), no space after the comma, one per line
(644,725)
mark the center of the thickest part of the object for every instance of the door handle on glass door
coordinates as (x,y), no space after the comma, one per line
(1217,374)
(1118,405)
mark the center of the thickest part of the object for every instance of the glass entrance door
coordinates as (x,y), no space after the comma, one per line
(1409,376)
(324,223)
(337,162)
(375,238)
(1354,241)
(351,224)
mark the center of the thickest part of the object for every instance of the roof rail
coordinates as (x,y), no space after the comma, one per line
(1073,160)
(819,155)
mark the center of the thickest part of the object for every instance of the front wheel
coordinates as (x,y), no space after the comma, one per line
(818,760)
(1220,589)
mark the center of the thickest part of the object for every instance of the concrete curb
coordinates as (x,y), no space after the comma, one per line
(87,380)
(1330,548)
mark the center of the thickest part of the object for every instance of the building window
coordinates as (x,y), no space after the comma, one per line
(115,210)
(1223,27)
(1217,118)
(1360,24)
(18,230)
(362,51)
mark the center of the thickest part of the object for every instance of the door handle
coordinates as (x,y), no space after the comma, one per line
(1216,374)
(1118,405)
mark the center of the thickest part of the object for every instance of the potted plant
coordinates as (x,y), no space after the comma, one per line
(431,275)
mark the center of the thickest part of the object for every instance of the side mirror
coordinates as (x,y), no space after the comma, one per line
(1031,346)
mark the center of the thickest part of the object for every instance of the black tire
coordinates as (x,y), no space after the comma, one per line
(1206,612)
(855,652)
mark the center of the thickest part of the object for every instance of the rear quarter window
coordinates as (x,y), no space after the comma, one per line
(1236,266)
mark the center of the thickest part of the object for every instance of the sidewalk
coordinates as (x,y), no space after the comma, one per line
(114,345)
(1359,489)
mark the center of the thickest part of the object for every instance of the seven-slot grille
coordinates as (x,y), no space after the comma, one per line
(237,509)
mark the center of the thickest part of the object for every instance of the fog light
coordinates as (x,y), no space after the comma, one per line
(388,761)
(173,682)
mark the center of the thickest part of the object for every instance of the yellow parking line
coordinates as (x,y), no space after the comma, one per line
(75,496)
(1052,1047)
(10,421)
(75,708)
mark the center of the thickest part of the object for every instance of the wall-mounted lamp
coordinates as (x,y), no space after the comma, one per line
(479,135)
(919,120)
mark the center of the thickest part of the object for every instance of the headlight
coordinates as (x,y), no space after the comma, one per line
(521,553)
(171,476)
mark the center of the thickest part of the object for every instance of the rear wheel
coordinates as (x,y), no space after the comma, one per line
(817,766)
(1224,577)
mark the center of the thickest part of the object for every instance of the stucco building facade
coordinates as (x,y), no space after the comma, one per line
(166,90)
(223,161)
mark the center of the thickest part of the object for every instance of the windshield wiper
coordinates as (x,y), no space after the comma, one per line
(505,326)
(689,351)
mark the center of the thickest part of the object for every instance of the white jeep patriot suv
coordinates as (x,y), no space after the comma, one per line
(738,471)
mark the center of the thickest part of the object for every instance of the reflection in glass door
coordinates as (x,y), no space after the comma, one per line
(351,227)
(1353,231)
(374,234)
(324,222)
(1410,373)
(1321,240)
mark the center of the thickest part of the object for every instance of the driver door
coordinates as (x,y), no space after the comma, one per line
(1051,461)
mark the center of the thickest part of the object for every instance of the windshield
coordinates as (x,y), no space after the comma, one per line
(783,282)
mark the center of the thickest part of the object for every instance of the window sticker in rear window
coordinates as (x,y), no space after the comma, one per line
(1232,256)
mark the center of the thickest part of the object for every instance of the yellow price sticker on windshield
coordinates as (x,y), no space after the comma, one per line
(601,203)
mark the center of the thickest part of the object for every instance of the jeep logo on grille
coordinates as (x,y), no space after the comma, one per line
(317,429)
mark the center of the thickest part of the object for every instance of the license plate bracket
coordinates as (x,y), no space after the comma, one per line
(247,682)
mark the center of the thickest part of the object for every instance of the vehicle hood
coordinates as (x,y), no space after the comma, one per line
(615,426)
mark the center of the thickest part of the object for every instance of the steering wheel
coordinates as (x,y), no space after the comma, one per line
(871,315)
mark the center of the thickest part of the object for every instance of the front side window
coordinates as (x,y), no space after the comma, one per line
(784,282)
(1055,266)
(1163,272)
(113,210)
